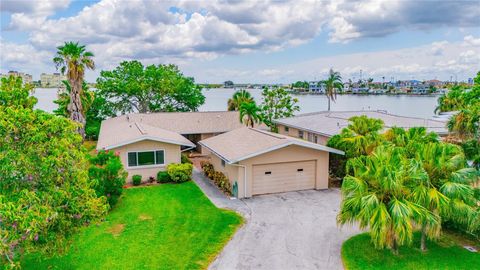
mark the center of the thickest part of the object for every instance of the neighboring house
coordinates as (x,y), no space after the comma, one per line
(318,127)
(260,162)
(317,87)
(421,89)
(157,139)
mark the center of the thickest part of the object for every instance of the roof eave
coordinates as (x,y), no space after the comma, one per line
(142,138)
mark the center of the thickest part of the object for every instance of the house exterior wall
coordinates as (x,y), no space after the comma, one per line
(294,132)
(291,153)
(231,171)
(172,155)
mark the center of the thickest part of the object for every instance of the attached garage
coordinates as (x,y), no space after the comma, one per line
(283,177)
(260,162)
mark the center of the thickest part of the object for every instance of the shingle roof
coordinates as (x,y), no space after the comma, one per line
(118,133)
(244,143)
(332,123)
(186,122)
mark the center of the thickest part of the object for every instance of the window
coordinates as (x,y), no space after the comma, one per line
(223,163)
(286,129)
(299,170)
(267,173)
(146,158)
(315,139)
(300,134)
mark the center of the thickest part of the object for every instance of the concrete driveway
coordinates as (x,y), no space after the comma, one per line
(295,230)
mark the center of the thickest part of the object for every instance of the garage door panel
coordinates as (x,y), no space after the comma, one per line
(283,177)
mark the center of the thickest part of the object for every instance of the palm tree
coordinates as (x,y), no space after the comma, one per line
(361,136)
(249,114)
(63,100)
(73,59)
(466,123)
(333,83)
(238,98)
(376,194)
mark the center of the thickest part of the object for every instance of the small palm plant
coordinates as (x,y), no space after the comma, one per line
(249,114)
(376,194)
(333,83)
(238,98)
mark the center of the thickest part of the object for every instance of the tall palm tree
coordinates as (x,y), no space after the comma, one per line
(376,194)
(466,123)
(249,114)
(238,98)
(73,59)
(333,83)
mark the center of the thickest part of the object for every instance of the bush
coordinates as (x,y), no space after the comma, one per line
(106,171)
(136,179)
(185,159)
(180,172)
(222,182)
(163,177)
(207,168)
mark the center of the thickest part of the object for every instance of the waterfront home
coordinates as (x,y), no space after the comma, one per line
(421,89)
(147,143)
(260,162)
(360,90)
(318,127)
(317,87)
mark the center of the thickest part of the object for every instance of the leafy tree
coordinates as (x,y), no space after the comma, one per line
(14,93)
(471,148)
(377,194)
(277,103)
(332,83)
(45,193)
(131,87)
(301,84)
(73,59)
(108,175)
(238,98)
(249,114)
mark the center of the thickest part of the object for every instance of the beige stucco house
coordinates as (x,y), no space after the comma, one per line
(318,127)
(260,162)
(147,143)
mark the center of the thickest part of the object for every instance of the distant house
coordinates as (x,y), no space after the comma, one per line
(317,87)
(420,89)
(360,90)
(318,127)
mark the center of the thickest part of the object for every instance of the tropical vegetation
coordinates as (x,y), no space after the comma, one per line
(276,103)
(133,87)
(250,114)
(45,191)
(237,99)
(332,84)
(73,59)
(168,226)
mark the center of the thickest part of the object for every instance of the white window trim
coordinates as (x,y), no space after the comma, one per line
(148,166)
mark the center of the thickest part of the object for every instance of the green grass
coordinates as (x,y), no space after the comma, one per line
(169,226)
(358,253)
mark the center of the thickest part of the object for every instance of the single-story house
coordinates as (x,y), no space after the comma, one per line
(318,127)
(260,162)
(148,142)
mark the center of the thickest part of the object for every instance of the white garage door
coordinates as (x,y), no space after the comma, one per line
(283,177)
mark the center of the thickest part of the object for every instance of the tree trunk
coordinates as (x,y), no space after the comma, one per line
(395,247)
(328,103)
(423,240)
(75,107)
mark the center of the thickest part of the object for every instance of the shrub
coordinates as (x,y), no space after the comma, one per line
(106,171)
(207,168)
(136,179)
(180,172)
(185,159)
(163,177)
(222,182)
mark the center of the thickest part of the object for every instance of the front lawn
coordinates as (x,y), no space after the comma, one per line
(358,253)
(169,226)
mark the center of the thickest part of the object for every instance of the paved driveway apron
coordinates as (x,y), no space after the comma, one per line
(295,230)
